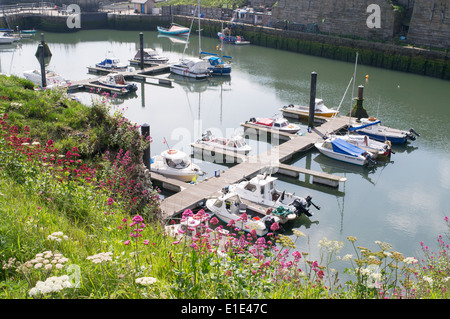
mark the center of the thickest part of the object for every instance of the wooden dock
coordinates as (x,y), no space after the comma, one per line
(195,194)
(147,75)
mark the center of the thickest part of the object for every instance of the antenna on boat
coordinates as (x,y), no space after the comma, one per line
(167,144)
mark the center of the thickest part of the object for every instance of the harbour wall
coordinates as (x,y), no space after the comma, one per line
(389,56)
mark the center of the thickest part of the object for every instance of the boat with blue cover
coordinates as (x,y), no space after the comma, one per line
(343,151)
(217,65)
(113,64)
(372,127)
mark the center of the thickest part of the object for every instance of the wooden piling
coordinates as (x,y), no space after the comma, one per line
(312,99)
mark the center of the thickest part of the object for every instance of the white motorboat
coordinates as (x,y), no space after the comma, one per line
(117,81)
(343,151)
(235,143)
(191,67)
(372,128)
(261,189)
(229,208)
(52,79)
(151,55)
(320,109)
(5,39)
(112,64)
(377,148)
(175,164)
(277,124)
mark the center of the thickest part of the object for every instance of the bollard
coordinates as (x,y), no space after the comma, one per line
(141,49)
(312,99)
(42,63)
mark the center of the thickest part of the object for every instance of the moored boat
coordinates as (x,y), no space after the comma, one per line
(343,151)
(112,64)
(372,128)
(229,208)
(191,67)
(150,55)
(117,81)
(174,29)
(320,109)
(176,164)
(376,148)
(52,79)
(261,189)
(235,143)
(277,124)
(238,40)
(217,65)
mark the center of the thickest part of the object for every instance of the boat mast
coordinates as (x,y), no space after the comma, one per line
(199,34)
(353,92)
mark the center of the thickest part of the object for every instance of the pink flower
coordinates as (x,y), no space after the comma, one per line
(176,242)
(274,226)
(243,217)
(214,221)
(146,242)
(127,242)
(110,201)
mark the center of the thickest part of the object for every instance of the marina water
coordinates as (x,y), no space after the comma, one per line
(402,202)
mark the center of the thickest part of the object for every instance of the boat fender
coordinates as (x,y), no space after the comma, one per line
(372,119)
(171,151)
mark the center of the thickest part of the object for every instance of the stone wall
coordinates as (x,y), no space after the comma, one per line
(340,17)
(430,23)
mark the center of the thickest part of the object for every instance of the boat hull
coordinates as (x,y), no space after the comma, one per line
(382,138)
(167,31)
(356,160)
(184,71)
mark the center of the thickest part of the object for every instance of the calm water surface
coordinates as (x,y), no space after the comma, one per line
(402,202)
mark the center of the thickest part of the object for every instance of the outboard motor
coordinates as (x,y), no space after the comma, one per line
(369,158)
(300,208)
(412,134)
(309,201)
(252,120)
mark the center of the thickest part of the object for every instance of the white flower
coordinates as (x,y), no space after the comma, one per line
(428,279)
(410,260)
(347,257)
(38,265)
(146,281)
(52,284)
(101,257)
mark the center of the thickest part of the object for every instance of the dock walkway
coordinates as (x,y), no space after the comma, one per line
(147,73)
(193,194)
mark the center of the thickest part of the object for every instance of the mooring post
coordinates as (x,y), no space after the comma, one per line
(312,100)
(145,131)
(42,63)
(141,49)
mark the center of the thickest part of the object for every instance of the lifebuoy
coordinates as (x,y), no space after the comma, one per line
(372,118)
(171,151)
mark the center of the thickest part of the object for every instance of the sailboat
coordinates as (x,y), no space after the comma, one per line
(217,64)
(192,67)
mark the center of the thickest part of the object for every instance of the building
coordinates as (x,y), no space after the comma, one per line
(143,6)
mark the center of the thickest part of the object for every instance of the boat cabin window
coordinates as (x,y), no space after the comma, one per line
(218,203)
(177,163)
(250,187)
(284,123)
(277,125)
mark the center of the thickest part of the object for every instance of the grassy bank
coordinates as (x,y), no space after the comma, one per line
(76,222)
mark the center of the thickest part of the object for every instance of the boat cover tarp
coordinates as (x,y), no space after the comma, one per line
(341,146)
(363,126)
(265,121)
(214,60)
